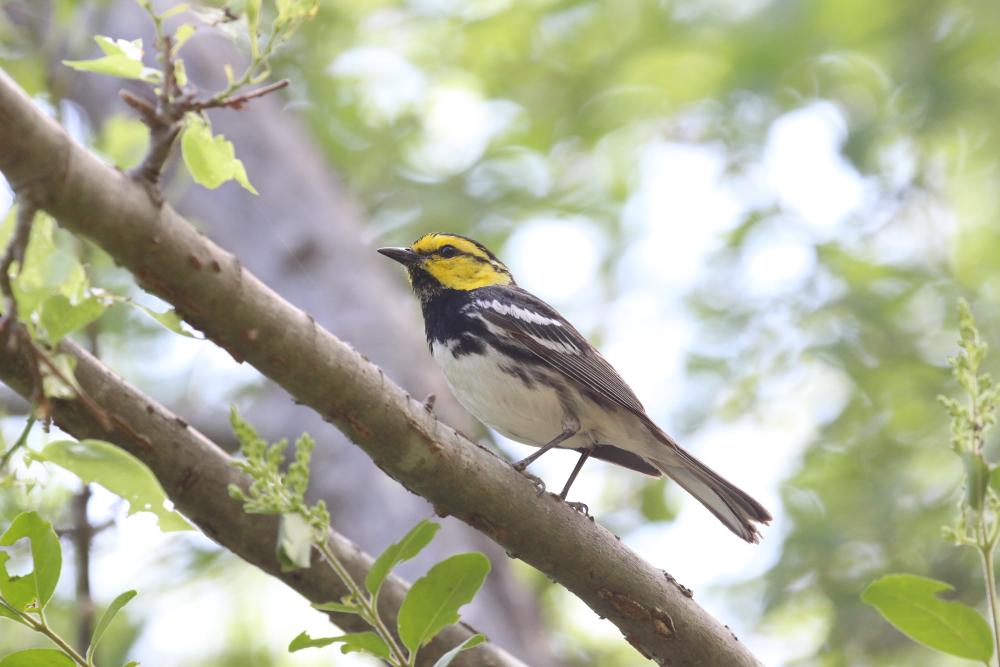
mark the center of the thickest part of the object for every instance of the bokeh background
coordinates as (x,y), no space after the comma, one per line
(761,211)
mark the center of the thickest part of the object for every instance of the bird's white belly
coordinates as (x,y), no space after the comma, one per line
(531,414)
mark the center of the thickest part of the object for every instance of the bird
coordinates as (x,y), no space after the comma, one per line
(521,368)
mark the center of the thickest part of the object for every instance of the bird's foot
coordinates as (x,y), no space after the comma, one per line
(582,508)
(429,403)
(537,481)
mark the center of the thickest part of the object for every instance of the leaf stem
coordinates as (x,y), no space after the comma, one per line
(986,546)
(42,627)
(20,442)
(370,612)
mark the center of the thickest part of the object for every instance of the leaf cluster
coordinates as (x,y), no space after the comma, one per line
(431,604)
(911,602)
(24,598)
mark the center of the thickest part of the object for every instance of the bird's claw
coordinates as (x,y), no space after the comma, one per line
(582,508)
(429,403)
(537,481)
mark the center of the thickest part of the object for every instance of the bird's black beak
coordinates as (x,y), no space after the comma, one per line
(404,256)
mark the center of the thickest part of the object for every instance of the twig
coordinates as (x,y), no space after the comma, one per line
(240,100)
(165,118)
(95,410)
(83,537)
(20,442)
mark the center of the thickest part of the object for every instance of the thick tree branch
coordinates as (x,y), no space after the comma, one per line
(215,294)
(196,474)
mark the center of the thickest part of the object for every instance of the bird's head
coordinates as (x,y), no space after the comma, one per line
(448,261)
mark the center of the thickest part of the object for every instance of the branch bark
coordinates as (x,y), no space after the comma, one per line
(212,291)
(196,475)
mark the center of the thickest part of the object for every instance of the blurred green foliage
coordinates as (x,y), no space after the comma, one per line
(563,97)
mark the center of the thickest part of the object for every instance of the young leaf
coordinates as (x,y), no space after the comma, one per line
(295,541)
(445,660)
(105,620)
(117,471)
(170,319)
(211,159)
(122,58)
(363,642)
(338,607)
(253,25)
(408,547)
(995,479)
(977,475)
(38,657)
(433,601)
(911,604)
(303,640)
(60,316)
(34,589)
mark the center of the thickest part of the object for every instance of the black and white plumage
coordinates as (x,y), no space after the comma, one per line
(516,364)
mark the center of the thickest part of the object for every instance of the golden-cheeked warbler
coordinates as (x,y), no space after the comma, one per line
(521,368)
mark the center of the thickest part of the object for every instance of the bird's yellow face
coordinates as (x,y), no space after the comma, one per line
(450,261)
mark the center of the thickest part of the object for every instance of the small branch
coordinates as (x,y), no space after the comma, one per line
(371,612)
(39,625)
(239,101)
(99,415)
(83,537)
(21,441)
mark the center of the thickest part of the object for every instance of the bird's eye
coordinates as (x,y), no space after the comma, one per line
(448,251)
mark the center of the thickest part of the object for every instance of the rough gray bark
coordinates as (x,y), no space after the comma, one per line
(213,292)
(196,474)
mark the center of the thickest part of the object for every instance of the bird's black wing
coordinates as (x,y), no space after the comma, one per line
(511,312)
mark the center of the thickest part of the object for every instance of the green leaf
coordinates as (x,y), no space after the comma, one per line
(37,657)
(61,384)
(355,642)
(253,26)
(60,316)
(408,547)
(175,10)
(295,541)
(184,32)
(123,140)
(995,479)
(105,620)
(433,601)
(445,660)
(132,663)
(35,589)
(170,319)
(211,160)
(338,606)
(122,58)
(119,472)
(977,476)
(293,12)
(911,604)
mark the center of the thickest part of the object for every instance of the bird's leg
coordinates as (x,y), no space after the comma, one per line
(568,432)
(579,507)
(576,471)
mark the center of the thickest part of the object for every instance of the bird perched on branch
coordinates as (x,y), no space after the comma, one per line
(520,367)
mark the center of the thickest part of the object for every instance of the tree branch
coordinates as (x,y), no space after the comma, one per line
(196,474)
(214,293)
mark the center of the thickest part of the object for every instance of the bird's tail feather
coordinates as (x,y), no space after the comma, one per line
(733,507)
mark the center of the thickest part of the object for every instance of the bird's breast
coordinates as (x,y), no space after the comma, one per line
(521,402)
